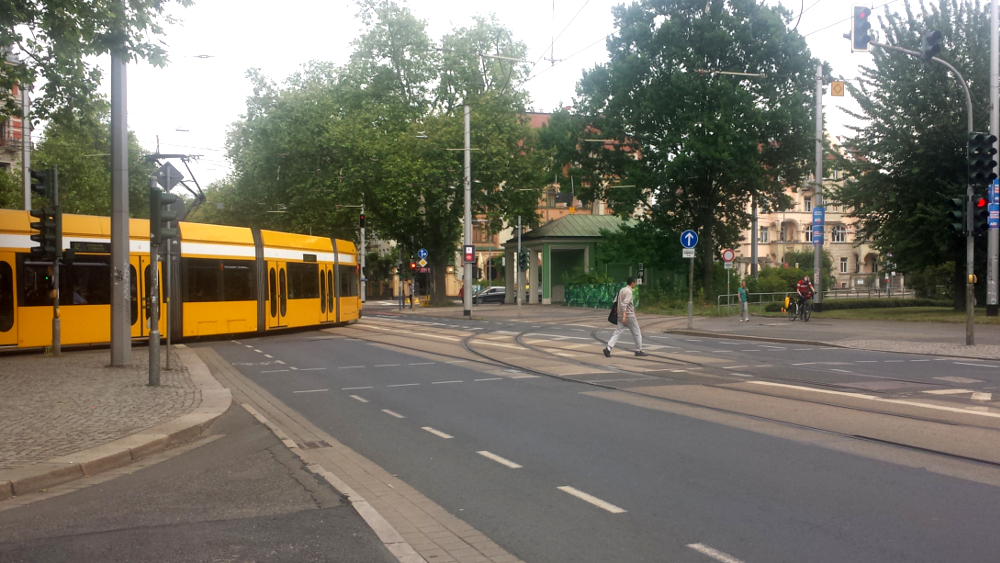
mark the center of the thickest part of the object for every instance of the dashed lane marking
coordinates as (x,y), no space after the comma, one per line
(268,356)
(592,500)
(294,368)
(361,399)
(499,459)
(404,385)
(982,396)
(258,351)
(458,362)
(422,364)
(919,360)
(355,388)
(713,553)
(311,391)
(948,391)
(311,369)
(443,382)
(489,379)
(391,413)
(866,362)
(248,346)
(437,433)
(274,370)
(387,365)
(351,367)
(976,365)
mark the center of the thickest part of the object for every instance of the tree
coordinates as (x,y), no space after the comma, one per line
(706,142)
(58,40)
(909,159)
(382,132)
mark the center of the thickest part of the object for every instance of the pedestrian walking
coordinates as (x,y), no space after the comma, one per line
(626,312)
(744,302)
(409,292)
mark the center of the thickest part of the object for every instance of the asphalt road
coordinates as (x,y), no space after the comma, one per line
(612,480)
(242,496)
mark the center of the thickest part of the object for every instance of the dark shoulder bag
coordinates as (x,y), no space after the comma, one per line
(613,316)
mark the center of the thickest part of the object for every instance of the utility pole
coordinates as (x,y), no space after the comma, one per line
(361,258)
(753,238)
(993,235)
(818,198)
(519,275)
(467,266)
(26,146)
(121,328)
(56,328)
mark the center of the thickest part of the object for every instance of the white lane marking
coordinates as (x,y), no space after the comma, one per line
(390,413)
(248,346)
(687,340)
(558,336)
(879,399)
(235,342)
(499,459)
(982,396)
(536,326)
(948,391)
(423,364)
(801,349)
(954,379)
(741,374)
(404,385)
(919,360)
(754,350)
(592,500)
(443,382)
(805,364)
(279,362)
(490,379)
(350,367)
(713,351)
(311,391)
(437,433)
(387,365)
(357,398)
(354,388)
(841,370)
(866,362)
(578,329)
(893,361)
(458,362)
(505,331)
(311,369)
(258,351)
(488,343)
(268,356)
(274,370)
(713,553)
(976,365)
(293,368)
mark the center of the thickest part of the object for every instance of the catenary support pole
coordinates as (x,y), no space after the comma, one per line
(121,328)
(993,235)
(467,266)
(361,258)
(517,268)
(753,238)
(26,145)
(56,327)
(818,198)
(166,283)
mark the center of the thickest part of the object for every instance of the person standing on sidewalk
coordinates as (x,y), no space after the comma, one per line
(626,313)
(744,302)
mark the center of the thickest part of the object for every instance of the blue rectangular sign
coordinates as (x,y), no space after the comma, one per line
(819,216)
(993,220)
(993,195)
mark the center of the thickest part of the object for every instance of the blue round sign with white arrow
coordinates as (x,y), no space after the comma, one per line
(689,238)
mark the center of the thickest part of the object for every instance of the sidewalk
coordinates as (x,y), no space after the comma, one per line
(66,418)
(946,339)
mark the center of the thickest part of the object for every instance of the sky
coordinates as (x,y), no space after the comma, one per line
(188,106)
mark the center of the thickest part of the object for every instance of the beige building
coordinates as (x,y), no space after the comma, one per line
(855,262)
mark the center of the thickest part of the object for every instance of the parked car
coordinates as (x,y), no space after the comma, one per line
(495,294)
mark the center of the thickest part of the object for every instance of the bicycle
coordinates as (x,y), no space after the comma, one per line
(804,311)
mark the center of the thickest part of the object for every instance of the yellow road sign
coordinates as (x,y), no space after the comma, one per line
(837,88)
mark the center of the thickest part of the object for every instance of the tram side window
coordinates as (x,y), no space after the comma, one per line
(6,297)
(303,281)
(36,283)
(348,281)
(86,282)
(208,279)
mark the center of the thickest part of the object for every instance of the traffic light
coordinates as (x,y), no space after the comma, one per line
(413,266)
(980,215)
(982,167)
(361,221)
(40,184)
(956,214)
(49,235)
(860,30)
(930,46)
(160,216)
(522,260)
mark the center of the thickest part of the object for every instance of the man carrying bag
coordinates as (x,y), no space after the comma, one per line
(626,313)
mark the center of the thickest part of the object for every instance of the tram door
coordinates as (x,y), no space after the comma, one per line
(140,286)
(277,294)
(8,310)
(326,306)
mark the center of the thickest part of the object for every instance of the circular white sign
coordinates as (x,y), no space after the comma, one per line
(728,255)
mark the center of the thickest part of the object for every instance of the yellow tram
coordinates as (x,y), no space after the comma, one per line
(223,280)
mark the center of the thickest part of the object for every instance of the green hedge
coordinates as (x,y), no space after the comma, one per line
(834,304)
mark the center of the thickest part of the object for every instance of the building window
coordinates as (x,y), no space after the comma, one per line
(762,235)
(839,234)
(843,265)
(809,203)
(809,233)
(479,235)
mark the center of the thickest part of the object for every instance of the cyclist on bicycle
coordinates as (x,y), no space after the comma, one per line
(805,290)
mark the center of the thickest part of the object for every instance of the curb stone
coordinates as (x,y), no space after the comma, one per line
(216,399)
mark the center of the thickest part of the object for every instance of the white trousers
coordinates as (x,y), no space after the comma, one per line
(633,326)
(744,311)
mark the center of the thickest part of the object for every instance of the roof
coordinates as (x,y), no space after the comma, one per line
(573,226)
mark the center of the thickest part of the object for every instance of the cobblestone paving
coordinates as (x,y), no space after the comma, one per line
(51,407)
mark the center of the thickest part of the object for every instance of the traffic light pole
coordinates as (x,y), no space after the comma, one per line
(361,260)
(121,327)
(467,277)
(818,199)
(517,269)
(993,235)
(154,316)
(56,328)
(970,333)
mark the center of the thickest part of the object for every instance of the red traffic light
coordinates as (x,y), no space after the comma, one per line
(413,265)
(864,13)
(361,220)
(981,203)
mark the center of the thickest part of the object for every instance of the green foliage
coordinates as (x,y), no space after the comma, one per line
(597,295)
(911,151)
(59,41)
(934,282)
(777,280)
(11,190)
(708,142)
(840,304)
(579,277)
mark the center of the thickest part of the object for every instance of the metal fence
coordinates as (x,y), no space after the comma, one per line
(731,302)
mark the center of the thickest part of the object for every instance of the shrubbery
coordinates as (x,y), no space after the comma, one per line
(835,304)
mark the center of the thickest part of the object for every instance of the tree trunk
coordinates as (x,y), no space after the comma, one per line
(439,272)
(706,243)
